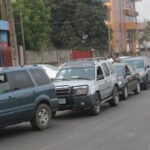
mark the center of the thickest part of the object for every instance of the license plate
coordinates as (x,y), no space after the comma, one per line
(62,101)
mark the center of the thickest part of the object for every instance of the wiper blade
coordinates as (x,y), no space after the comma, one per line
(83,78)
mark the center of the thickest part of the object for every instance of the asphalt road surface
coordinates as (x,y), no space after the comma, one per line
(126,127)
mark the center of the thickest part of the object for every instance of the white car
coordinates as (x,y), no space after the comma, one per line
(50,70)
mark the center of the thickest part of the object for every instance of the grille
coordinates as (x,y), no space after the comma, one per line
(62,91)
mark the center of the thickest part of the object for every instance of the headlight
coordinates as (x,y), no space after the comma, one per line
(141,73)
(80,90)
(119,83)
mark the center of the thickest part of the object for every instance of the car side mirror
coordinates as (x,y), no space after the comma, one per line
(100,77)
(148,66)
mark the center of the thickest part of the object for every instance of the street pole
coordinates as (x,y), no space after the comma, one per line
(2,10)
(13,39)
(23,38)
(137,32)
(109,32)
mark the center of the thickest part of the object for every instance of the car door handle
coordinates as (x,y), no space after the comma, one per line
(11,97)
(34,92)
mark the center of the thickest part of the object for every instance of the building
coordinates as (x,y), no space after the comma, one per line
(5,48)
(122,20)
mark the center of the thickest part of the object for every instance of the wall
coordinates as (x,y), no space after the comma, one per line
(46,56)
(53,56)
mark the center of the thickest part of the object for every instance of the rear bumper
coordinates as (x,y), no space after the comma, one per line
(77,103)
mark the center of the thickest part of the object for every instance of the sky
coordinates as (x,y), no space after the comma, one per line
(143,8)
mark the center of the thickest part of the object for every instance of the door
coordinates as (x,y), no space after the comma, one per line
(129,78)
(101,81)
(8,107)
(108,79)
(23,89)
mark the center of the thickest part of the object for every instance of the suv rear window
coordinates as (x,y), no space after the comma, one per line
(106,70)
(40,76)
(20,80)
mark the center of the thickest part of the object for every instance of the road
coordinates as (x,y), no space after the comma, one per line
(126,127)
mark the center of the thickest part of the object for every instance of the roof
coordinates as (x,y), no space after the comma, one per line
(119,64)
(136,57)
(10,69)
(84,62)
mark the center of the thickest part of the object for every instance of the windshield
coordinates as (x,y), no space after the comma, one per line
(86,73)
(136,63)
(119,70)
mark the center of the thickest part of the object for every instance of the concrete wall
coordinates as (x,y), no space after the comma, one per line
(54,56)
(47,56)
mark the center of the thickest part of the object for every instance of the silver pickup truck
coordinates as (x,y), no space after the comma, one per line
(86,84)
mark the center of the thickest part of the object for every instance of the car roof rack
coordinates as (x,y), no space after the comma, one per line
(90,59)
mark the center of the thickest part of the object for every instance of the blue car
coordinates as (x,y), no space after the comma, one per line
(26,94)
(142,66)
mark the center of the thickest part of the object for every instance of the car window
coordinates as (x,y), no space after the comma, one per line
(111,67)
(120,70)
(131,69)
(4,85)
(100,74)
(40,77)
(106,69)
(127,71)
(20,80)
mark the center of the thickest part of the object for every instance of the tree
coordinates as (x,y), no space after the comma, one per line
(79,24)
(36,16)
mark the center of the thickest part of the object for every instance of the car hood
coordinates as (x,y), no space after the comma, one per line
(73,83)
(140,70)
(121,78)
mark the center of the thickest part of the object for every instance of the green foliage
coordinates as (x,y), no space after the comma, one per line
(79,24)
(36,16)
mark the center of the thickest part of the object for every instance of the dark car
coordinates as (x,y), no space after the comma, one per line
(26,94)
(129,79)
(142,65)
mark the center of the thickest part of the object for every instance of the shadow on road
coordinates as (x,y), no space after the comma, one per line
(15,130)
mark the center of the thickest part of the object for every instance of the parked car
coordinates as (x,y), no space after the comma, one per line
(129,79)
(86,84)
(26,94)
(50,70)
(142,65)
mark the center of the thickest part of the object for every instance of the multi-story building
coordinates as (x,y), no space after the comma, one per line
(122,20)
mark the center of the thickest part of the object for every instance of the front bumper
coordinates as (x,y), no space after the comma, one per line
(77,102)
(54,104)
(143,80)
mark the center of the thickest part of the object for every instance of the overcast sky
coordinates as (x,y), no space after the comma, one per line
(143,8)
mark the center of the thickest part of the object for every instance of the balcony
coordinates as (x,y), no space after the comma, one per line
(130,12)
(130,26)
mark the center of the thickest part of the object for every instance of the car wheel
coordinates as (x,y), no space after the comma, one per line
(96,107)
(115,100)
(42,118)
(137,90)
(145,86)
(124,95)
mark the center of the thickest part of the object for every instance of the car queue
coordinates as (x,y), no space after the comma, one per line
(29,94)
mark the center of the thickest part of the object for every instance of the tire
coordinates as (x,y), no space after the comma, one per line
(96,107)
(42,118)
(124,94)
(115,100)
(145,86)
(137,90)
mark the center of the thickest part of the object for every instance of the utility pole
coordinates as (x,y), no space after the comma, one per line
(137,32)
(13,39)
(22,32)
(109,31)
(2,10)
